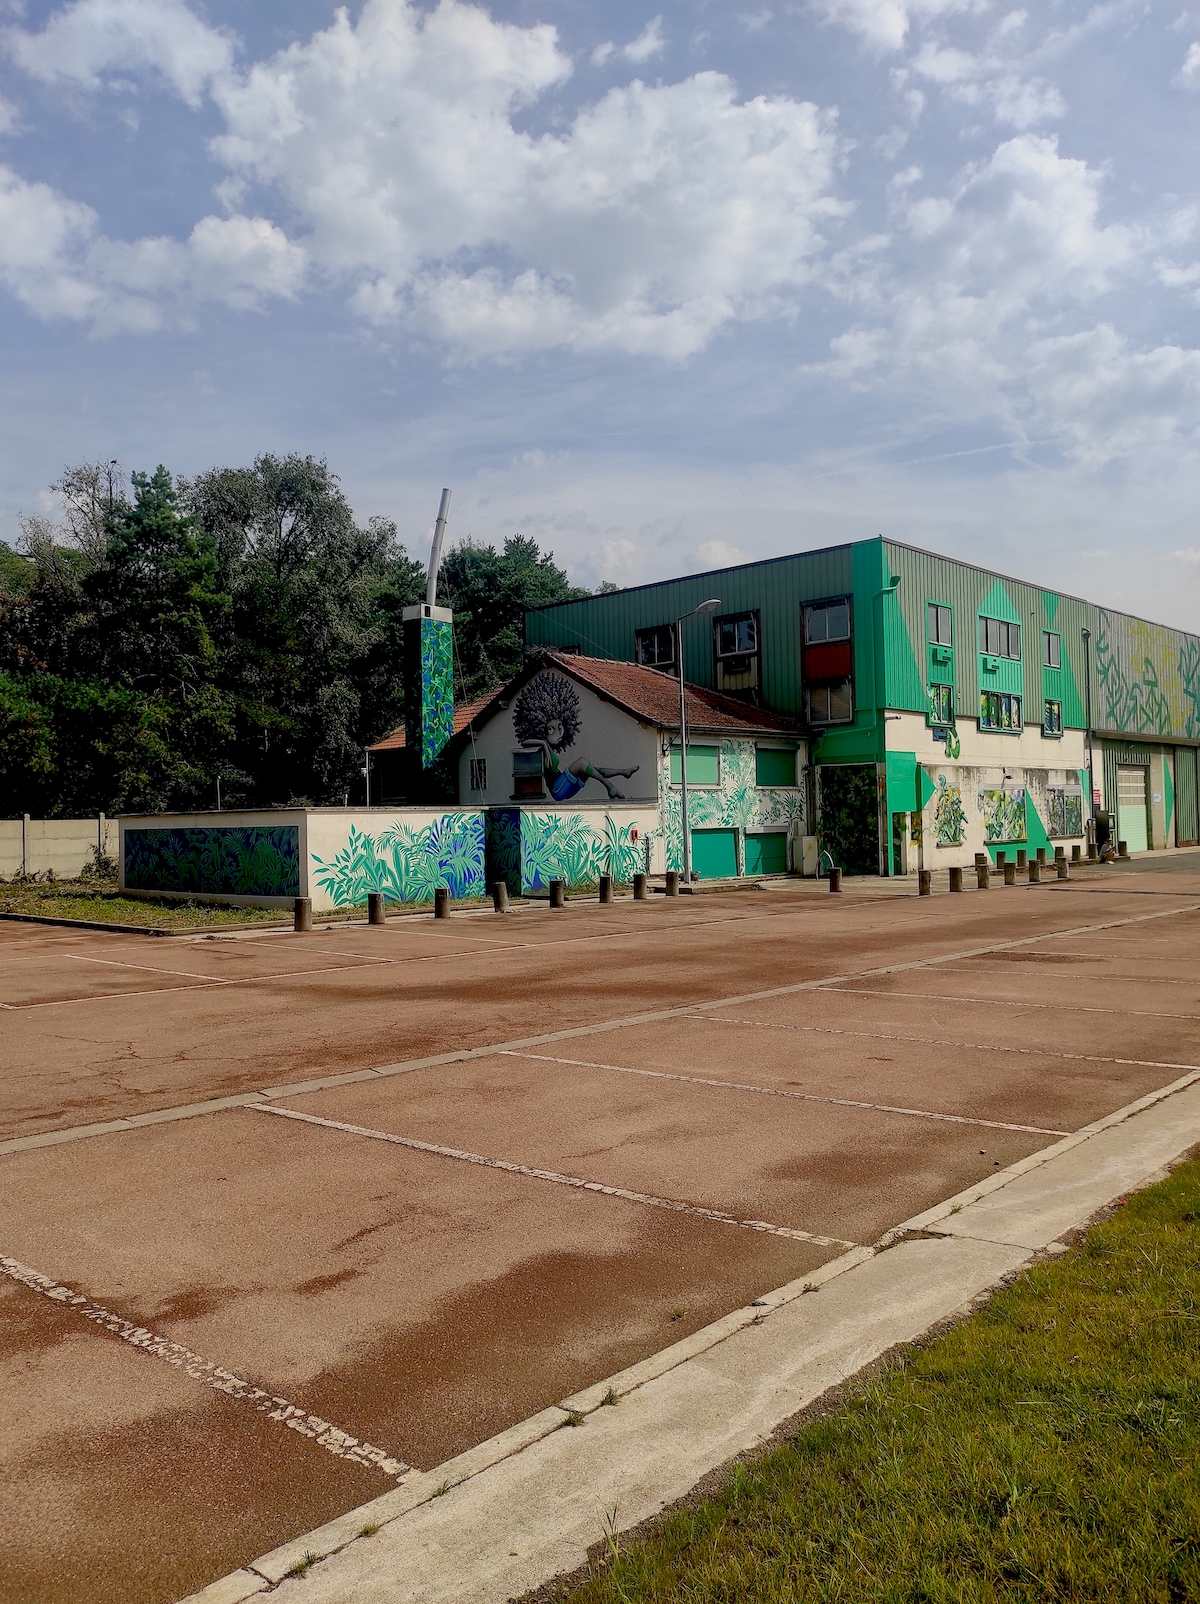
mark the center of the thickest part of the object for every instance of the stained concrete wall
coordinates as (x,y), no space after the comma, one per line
(62,847)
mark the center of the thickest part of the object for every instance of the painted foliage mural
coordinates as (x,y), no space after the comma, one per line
(1065,811)
(224,860)
(949,815)
(557,846)
(1003,815)
(437,687)
(738,802)
(407,862)
(1149,676)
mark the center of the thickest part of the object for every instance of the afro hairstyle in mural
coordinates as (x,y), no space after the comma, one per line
(548,699)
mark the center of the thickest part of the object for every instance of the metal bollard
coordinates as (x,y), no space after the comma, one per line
(835,879)
(983,875)
(1123,849)
(1022,857)
(303,920)
(639,888)
(924,882)
(375,915)
(606,889)
(1077,853)
(1059,852)
(980,857)
(1002,860)
(1093,852)
(1064,868)
(500,895)
(1041,854)
(557,893)
(1035,872)
(441,903)
(672,882)
(1010,874)
(956,879)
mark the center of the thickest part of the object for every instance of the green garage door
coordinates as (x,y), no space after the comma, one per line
(1131,808)
(714,853)
(767,853)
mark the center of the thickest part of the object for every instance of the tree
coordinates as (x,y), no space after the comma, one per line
(490,593)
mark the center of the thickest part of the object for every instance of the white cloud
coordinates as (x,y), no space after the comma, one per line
(650,42)
(720,554)
(85,40)
(885,23)
(661,214)
(55,260)
(989,79)
(1189,73)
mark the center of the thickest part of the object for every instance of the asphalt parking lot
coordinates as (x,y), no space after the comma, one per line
(285,1215)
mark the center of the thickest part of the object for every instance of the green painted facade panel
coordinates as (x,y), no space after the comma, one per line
(1146,677)
(714,854)
(1187,795)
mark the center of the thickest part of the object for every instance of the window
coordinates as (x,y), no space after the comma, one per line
(998,711)
(1051,649)
(998,639)
(941,704)
(527,775)
(1052,718)
(1064,804)
(479,774)
(828,620)
(774,767)
(656,647)
(703,765)
(941,625)
(829,704)
(737,637)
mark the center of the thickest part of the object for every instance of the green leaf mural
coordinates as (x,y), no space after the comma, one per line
(738,802)
(407,862)
(949,815)
(556,846)
(502,833)
(221,860)
(1003,815)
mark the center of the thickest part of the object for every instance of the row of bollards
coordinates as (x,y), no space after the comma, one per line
(303,919)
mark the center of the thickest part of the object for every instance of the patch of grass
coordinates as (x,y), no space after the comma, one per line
(1047,1448)
(609,1398)
(305,1563)
(369,1529)
(103,904)
(574,1418)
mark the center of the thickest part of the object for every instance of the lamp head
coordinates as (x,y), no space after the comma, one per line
(709,606)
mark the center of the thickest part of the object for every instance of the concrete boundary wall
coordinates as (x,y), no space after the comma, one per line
(62,847)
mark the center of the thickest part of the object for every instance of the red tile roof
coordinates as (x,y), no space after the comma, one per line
(462,717)
(647,693)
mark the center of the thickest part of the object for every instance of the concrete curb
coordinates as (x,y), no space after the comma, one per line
(510,1514)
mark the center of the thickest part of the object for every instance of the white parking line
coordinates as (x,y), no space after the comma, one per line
(803,1097)
(339,1443)
(1003,1002)
(552,1175)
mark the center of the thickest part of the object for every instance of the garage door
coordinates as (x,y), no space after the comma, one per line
(714,853)
(1131,809)
(767,853)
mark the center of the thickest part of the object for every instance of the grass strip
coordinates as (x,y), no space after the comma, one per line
(1046,1448)
(104,904)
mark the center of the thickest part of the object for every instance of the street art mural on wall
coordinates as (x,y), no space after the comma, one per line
(1065,811)
(1149,676)
(1003,815)
(546,717)
(738,802)
(223,860)
(407,862)
(949,815)
(557,846)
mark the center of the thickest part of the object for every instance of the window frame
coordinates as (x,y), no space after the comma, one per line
(1051,646)
(1051,731)
(731,620)
(828,687)
(826,604)
(477,775)
(1004,631)
(1000,697)
(639,635)
(774,785)
(940,723)
(694,746)
(932,633)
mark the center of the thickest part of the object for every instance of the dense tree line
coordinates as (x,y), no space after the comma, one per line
(240,626)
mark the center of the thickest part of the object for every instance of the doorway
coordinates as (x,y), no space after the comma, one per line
(1133,812)
(848,816)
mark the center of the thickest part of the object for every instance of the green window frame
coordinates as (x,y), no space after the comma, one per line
(775,766)
(1052,718)
(998,710)
(941,704)
(1051,649)
(939,624)
(704,765)
(998,638)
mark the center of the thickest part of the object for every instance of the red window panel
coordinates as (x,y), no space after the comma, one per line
(829,661)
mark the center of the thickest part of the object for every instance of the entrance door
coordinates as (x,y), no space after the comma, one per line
(766,853)
(1132,812)
(848,816)
(714,854)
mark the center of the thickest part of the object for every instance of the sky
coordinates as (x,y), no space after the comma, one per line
(664,286)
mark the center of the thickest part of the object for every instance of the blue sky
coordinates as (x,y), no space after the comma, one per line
(663,286)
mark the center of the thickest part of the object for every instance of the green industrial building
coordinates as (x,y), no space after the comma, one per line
(946,709)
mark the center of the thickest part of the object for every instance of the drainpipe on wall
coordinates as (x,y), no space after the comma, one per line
(1087,670)
(24,845)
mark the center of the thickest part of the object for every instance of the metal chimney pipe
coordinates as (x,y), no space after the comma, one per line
(435,551)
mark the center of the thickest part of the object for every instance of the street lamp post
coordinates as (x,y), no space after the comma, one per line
(709,606)
(1087,675)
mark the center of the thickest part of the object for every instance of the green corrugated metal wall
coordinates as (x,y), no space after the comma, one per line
(603,626)
(1146,678)
(925,577)
(1187,795)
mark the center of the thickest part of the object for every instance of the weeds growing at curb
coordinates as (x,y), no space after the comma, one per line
(306,1561)
(1045,1448)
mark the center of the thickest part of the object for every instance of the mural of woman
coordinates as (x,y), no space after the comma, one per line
(546,715)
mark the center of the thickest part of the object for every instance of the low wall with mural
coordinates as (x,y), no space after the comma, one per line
(336,856)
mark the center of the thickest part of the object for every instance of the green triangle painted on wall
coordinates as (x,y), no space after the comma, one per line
(998,604)
(1050,603)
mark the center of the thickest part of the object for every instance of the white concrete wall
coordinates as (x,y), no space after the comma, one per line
(62,847)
